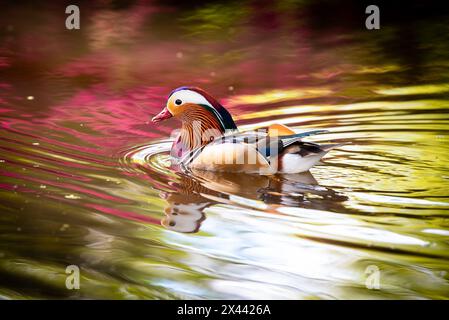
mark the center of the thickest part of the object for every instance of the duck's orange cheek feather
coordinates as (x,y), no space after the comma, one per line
(180,110)
(170,107)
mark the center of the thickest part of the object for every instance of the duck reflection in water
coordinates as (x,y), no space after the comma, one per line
(192,194)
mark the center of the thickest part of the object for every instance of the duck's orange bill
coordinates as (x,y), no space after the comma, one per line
(164,114)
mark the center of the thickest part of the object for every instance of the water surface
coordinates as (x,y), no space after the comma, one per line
(85,177)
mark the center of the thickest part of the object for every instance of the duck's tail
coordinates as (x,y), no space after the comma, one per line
(303,156)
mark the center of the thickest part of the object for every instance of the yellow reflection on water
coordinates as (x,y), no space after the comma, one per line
(380,106)
(279,96)
(377,69)
(410,90)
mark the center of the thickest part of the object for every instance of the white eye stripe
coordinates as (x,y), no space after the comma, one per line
(189,96)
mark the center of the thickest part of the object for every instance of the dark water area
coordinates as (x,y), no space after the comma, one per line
(85,177)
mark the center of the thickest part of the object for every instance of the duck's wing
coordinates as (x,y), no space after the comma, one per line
(290,139)
(280,130)
(272,146)
(277,129)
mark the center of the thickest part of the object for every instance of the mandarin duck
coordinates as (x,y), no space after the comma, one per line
(209,139)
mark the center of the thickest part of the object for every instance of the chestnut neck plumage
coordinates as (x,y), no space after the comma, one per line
(199,127)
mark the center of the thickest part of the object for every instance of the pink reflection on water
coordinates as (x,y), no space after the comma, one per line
(101,120)
(104,113)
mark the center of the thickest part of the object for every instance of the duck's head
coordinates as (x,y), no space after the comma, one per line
(190,104)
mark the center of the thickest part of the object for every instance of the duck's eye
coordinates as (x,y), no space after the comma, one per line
(178,102)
